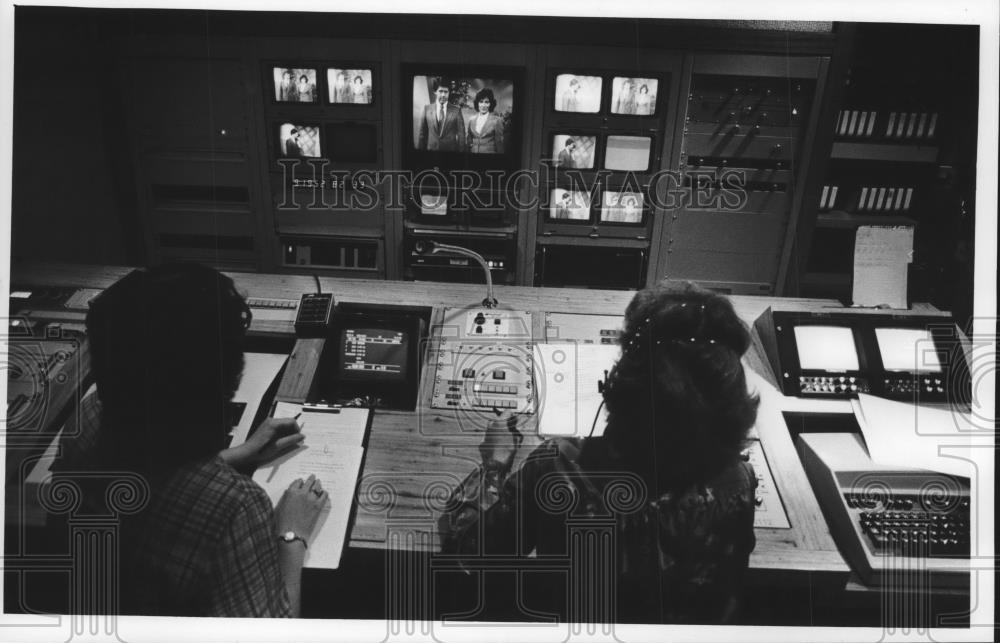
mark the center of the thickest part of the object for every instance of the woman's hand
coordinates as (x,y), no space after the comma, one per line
(300,506)
(501,441)
(272,438)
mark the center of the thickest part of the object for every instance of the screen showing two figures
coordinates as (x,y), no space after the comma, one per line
(374,354)
(832,349)
(459,114)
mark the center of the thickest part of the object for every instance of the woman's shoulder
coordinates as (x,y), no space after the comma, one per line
(730,490)
(212,482)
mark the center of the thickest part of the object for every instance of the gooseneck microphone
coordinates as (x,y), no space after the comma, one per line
(434,248)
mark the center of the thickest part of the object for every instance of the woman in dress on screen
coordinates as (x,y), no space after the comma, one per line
(305,90)
(667,471)
(485,129)
(644,101)
(359,91)
(200,537)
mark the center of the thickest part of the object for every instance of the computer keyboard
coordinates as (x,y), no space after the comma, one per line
(890,523)
(908,527)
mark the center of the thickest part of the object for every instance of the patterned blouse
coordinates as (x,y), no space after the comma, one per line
(679,557)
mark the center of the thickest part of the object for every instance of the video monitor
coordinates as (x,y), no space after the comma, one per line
(346,142)
(909,350)
(373,354)
(569,205)
(633,96)
(462,114)
(580,94)
(826,348)
(434,204)
(295,85)
(573,151)
(349,86)
(622,207)
(627,153)
(298,141)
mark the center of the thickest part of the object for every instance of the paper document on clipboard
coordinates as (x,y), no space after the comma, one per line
(333,452)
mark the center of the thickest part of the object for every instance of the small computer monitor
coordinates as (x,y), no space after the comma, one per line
(622,207)
(374,354)
(349,86)
(569,205)
(573,151)
(352,142)
(297,141)
(633,96)
(294,85)
(826,348)
(910,350)
(627,153)
(434,204)
(577,93)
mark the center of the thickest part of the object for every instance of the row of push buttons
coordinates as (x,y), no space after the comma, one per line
(498,404)
(254,302)
(903,385)
(494,388)
(469,373)
(829,384)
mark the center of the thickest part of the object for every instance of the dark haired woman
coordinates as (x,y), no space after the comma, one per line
(667,472)
(305,90)
(485,129)
(359,91)
(199,538)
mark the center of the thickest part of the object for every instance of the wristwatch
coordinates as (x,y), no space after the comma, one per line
(291,536)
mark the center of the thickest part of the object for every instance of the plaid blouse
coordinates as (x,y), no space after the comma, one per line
(204,545)
(679,557)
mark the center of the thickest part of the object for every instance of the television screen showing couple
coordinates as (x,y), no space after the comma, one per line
(468,115)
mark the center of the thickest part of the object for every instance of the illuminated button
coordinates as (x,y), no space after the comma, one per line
(499,374)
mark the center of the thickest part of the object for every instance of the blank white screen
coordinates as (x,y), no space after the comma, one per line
(826,348)
(907,349)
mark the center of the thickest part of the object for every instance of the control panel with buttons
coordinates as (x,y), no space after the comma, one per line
(770,513)
(927,386)
(495,375)
(483,361)
(504,324)
(832,385)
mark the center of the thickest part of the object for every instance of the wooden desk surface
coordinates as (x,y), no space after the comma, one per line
(415,458)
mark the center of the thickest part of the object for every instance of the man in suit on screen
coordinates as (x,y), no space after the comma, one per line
(442,127)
